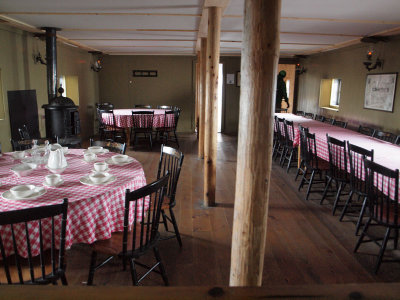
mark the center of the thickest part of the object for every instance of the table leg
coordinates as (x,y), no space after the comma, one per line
(128,136)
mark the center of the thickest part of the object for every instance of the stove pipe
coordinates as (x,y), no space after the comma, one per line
(51,59)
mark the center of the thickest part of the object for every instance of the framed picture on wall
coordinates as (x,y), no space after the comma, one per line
(379,91)
(238,78)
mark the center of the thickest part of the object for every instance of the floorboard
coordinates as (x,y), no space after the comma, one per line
(305,243)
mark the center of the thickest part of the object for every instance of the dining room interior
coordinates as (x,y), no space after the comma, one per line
(283,196)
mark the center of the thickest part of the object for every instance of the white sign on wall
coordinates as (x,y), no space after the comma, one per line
(230,78)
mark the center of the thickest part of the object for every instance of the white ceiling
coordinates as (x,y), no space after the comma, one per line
(171,27)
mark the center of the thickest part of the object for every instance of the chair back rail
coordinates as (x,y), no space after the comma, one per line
(383,189)
(385,136)
(366,130)
(142,119)
(171,161)
(18,221)
(337,158)
(145,227)
(289,133)
(356,157)
(110,145)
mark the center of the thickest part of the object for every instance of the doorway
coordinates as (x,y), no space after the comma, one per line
(220,85)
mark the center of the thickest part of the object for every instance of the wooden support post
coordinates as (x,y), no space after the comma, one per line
(202,106)
(197,100)
(211,120)
(260,54)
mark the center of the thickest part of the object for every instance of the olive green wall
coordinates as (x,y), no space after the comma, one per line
(347,64)
(19,72)
(174,84)
(231,96)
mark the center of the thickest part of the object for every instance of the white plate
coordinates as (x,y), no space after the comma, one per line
(104,151)
(86,180)
(128,161)
(40,191)
(55,185)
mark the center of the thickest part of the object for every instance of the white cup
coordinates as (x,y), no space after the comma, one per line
(99,177)
(95,149)
(119,158)
(18,154)
(89,156)
(52,179)
(100,166)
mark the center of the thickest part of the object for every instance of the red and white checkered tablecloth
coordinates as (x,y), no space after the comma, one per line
(94,212)
(123,117)
(385,153)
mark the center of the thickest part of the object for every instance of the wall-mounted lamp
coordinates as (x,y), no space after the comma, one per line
(300,69)
(370,64)
(38,59)
(96,65)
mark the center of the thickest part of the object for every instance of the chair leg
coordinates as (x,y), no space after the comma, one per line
(328,184)
(346,205)
(176,139)
(133,272)
(151,141)
(303,178)
(92,268)
(310,183)
(361,215)
(164,217)
(290,161)
(161,266)
(299,169)
(382,251)
(63,279)
(362,235)
(396,238)
(341,186)
(178,235)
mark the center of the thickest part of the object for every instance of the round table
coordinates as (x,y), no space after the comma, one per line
(123,117)
(94,212)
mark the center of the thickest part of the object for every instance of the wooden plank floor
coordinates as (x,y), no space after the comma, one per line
(305,243)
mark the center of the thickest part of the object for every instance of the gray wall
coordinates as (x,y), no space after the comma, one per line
(347,64)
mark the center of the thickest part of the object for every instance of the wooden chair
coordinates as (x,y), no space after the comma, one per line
(309,115)
(329,120)
(24,133)
(17,221)
(366,130)
(171,119)
(319,118)
(110,145)
(142,123)
(110,131)
(385,136)
(339,123)
(312,164)
(105,105)
(358,185)
(20,145)
(276,137)
(141,106)
(170,162)
(281,139)
(165,107)
(301,168)
(337,169)
(300,113)
(397,141)
(383,204)
(290,151)
(138,238)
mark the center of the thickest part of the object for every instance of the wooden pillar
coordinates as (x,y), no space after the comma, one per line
(260,54)
(211,120)
(202,103)
(197,100)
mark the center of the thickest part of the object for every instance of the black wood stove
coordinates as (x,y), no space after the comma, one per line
(62,117)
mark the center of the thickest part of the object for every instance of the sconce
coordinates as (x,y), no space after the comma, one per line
(300,69)
(96,65)
(369,64)
(38,59)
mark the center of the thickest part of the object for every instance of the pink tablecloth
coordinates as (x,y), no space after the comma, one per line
(94,212)
(385,153)
(123,117)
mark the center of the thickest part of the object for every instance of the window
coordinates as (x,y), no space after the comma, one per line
(71,87)
(329,94)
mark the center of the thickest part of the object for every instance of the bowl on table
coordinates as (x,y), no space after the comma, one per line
(18,154)
(53,179)
(120,158)
(89,156)
(23,190)
(100,166)
(99,177)
(23,169)
(95,149)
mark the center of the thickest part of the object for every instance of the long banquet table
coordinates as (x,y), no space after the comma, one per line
(385,153)
(123,117)
(94,212)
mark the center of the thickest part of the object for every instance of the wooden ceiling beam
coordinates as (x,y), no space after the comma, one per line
(97,14)
(129,29)
(137,40)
